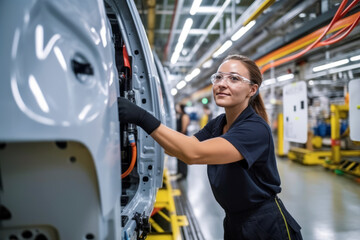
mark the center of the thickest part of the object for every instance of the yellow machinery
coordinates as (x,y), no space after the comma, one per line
(165,223)
(309,157)
(341,160)
(305,156)
(281,151)
(335,159)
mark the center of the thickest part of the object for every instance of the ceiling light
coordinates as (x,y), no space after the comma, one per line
(223,48)
(195,6)
(302,15)
(285,77)
(330,65)
(181,84)
(175,57)
(178,47)
(192,75)
(208,63)
(186,29)
(181,40)
(174,91)
(269,81)
(242,31)
(311,82)
(355,58)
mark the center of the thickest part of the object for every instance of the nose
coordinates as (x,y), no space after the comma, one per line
(222,81)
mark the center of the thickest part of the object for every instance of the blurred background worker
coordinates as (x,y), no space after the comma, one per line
(207,115)
(182,123)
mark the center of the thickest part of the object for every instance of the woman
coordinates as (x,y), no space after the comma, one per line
(239,150)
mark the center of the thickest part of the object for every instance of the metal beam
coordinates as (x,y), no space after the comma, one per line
(162,21)
(210,26)
(206,10)
(192,31)
(180,3)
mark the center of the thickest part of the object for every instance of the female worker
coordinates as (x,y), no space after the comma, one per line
(239,150)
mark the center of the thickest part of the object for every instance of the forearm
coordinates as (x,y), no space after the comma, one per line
(176,144)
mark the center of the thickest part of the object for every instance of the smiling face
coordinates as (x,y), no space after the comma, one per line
(233,95)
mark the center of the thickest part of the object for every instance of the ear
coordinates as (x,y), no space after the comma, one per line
(253,89)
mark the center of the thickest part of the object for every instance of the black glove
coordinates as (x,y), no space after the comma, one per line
(131,113)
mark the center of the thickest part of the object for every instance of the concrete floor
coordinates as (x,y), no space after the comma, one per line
(327,206)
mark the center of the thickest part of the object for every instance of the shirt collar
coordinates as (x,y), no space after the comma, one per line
(247,112)
(217,131)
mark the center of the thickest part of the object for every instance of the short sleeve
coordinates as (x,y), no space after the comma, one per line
(251,139)
(208,131)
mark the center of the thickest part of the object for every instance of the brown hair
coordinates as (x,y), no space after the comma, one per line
(256,78)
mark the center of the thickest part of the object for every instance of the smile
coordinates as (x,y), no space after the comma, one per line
(222,94)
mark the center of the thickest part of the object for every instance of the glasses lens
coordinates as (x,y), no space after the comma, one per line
(231,78)
(235,78)
(216,78)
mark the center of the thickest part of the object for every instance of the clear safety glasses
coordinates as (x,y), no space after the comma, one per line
(231,78)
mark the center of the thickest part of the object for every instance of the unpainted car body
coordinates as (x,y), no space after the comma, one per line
(62,148)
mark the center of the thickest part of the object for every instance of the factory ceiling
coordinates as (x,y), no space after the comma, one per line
(191,40)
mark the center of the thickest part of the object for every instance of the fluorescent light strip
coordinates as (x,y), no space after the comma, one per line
(195,6)
(208,63)
(269,81)
(179,47)
(192,75)
(334,70)
(181,84)
(285,77)
(180,44)
(242,31)
(223,48)
(330,65)
(175,57)
(186,29)
(174,91)
(355,58)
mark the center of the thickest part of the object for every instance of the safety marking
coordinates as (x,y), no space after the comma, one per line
(164,216)
(156,226)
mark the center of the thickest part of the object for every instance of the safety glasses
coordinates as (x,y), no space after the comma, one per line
(231,78)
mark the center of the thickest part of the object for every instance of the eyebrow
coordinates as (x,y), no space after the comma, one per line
(236,74)
(232,73)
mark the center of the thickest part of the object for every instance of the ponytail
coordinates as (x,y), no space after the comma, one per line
(256,78)
(258,104)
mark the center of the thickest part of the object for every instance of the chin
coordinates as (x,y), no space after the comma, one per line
(221,103)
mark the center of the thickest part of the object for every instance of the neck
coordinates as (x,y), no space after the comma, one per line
(232,114)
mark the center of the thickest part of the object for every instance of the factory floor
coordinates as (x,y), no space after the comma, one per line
(327,206)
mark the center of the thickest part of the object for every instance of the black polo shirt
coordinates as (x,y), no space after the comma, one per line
(244,184)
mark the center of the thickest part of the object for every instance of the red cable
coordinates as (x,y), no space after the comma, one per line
(351,5)
(339,13)
(132,163)
(332,39)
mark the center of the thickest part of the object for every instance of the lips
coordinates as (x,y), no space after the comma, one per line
(222,94)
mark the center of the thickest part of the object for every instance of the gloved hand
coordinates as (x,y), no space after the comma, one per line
(131,113)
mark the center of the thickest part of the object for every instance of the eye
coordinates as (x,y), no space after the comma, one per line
(218,76)
(235,78)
